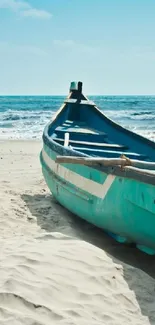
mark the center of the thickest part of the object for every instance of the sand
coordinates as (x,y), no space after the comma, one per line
(56,268)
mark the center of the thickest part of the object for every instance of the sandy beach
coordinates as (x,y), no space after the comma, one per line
(56,268)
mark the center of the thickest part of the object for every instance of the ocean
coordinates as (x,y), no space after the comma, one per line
(24,117)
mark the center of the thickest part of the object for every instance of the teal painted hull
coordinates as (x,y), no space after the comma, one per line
(123,207)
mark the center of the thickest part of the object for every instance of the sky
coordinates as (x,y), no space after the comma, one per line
(109,45)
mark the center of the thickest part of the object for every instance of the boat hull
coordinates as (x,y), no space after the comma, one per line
(125,208)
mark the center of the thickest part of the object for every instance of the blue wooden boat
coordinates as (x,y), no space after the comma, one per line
(101,171)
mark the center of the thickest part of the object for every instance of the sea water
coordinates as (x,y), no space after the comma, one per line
(24,117)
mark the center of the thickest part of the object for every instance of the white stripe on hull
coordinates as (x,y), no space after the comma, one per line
(85,184)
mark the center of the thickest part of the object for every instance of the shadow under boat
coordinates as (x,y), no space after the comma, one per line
(52,217)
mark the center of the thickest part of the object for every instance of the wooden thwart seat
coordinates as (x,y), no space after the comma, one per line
(77,129)
(95,144)
(109,153)
(81,133)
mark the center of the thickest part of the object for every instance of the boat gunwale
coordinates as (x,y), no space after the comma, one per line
(148,176)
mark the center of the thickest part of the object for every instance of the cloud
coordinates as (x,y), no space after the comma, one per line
(14,5)
(37,13)
(23,8)
(72,45)
(64,43)
(32,50)
(10,48)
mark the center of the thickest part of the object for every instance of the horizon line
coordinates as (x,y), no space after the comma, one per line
(49,95)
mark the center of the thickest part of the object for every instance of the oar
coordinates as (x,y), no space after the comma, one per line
(107,162)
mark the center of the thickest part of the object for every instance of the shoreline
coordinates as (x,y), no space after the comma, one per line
(21,140)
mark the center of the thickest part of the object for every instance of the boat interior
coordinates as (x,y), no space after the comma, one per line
(93,134)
